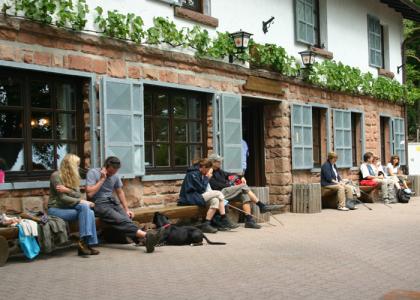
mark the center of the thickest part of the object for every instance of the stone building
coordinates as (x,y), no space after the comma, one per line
(159,108)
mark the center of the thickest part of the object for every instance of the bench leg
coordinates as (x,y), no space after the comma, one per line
(4,251)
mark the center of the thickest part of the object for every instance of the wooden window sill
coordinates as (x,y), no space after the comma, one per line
(322,52)
(196,17)
(386,73)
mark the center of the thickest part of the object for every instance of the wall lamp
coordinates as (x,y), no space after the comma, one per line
(241,41)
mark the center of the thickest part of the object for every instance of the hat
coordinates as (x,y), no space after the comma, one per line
(215,157)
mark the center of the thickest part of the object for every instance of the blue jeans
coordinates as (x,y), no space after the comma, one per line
(86,217)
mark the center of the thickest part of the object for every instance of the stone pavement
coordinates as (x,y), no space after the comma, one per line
(330,255)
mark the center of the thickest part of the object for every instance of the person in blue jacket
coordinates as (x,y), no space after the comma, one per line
(195,190)
(331,183)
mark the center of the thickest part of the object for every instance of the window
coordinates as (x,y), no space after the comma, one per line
(309,136)
(195,5)
(356,138)
(40,122)
(175,128)
(343,138)
(375,42)
(398,131)
(302,137)
(307,21)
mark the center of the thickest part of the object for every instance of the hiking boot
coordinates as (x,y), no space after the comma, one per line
(207,228)
(220,224)
(152,238)
(82,249)
(93,251)
(268,208)
(230,224)
(252,224)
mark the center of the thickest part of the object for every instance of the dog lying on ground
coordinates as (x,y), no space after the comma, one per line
(180,235)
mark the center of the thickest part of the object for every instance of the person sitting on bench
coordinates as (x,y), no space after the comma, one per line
(195,190)
(221,182)
(332,182)
(368,177)
(101,183)
(394,172)
(66,202)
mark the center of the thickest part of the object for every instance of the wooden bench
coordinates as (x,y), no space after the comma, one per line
(368,194)
(141,215)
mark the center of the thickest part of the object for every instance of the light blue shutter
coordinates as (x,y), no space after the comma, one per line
(122,124)
(302,141)
(230,114)
(305,21)
(342,138)
(375,42)
(399,139)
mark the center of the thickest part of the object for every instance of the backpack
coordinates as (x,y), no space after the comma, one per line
(402,196)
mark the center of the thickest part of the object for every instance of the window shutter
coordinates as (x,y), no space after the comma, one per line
(342,138)
(302,144)
(122,124)
(305,20)
(230,113)
(399,139)
(375,42)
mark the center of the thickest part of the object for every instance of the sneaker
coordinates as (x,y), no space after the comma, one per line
(152,238)
(343,208)
(252,224)
(207,228)
(268,208)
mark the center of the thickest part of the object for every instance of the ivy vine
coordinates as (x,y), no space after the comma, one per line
(327,74)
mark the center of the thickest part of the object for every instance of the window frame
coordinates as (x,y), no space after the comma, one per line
(376,22)
(26,76)
(315,27)
(172,92)
(199,9)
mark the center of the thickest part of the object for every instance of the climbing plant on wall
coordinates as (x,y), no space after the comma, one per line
(130,27)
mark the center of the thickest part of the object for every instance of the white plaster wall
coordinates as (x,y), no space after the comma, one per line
(343,24)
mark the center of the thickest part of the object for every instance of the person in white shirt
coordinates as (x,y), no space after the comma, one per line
(370,175)
(394,172)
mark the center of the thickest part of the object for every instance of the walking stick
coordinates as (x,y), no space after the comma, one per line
(357,200)
(242,211)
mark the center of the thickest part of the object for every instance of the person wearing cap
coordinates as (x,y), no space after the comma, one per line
(220,182)
(195,190)
(331,183)
(100,185)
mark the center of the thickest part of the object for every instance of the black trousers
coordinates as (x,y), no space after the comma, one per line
(110,211)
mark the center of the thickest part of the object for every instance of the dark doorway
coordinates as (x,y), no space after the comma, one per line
(253,135)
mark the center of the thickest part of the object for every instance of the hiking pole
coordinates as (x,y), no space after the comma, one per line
(357,200)
(242,211)
(281,223)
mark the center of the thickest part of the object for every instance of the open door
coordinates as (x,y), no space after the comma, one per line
(253,135)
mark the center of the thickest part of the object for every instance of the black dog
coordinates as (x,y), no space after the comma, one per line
(180,235)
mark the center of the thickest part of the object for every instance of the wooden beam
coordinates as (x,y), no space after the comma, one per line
(264,85)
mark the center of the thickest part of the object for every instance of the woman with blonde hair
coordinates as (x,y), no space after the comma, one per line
(66,203)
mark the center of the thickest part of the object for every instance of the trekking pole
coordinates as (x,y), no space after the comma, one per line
(357,200)
(242,211)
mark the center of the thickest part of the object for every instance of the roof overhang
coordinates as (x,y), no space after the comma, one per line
(408,9)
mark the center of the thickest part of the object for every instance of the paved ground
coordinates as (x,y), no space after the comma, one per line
(331,255)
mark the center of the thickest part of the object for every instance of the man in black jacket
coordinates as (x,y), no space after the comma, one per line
(195,190)
(220,181)
(331,183)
